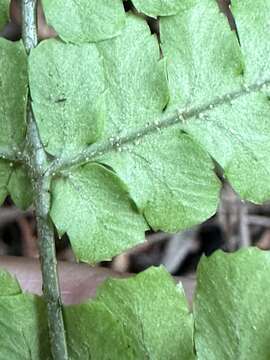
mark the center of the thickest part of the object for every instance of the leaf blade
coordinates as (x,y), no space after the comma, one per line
(159,170)
(139,324)
(13,63)
(91,21)
(104,222)
(61,83)
(156,8)
(197,73)
(231,304)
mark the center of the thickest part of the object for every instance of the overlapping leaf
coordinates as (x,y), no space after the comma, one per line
(67,86)
(13,91)
(161,170)
(156,8)
(9,285)
(231,309)
(19,186)
(252,25)
(205,62)
(15,181)
(13,98)
(23,326)
(124,322)
(147,316)
(134,324)
(92,205)
(88,20)
(168,173)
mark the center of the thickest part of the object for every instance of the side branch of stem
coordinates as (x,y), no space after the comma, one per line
(165,121)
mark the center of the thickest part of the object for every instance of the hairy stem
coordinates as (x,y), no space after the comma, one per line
(41,187)
(96,150)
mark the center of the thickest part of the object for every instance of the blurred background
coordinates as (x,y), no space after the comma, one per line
(236,224)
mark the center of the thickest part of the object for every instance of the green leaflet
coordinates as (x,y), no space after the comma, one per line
(124,322)
(199,73)
(4,13)
(13,91)
(20,187)
(204,62)
(9,285)
(147,316)
(67,88)
(231,309)
(144,317)
(23,328)
(4,177)
(15,181)
(23,325)
(168,175)
(13,95)
(253,26)
(156,8)
(162,181)
(88,20)
(91,204)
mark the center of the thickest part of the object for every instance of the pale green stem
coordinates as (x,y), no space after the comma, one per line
(42,200)
(166,120)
